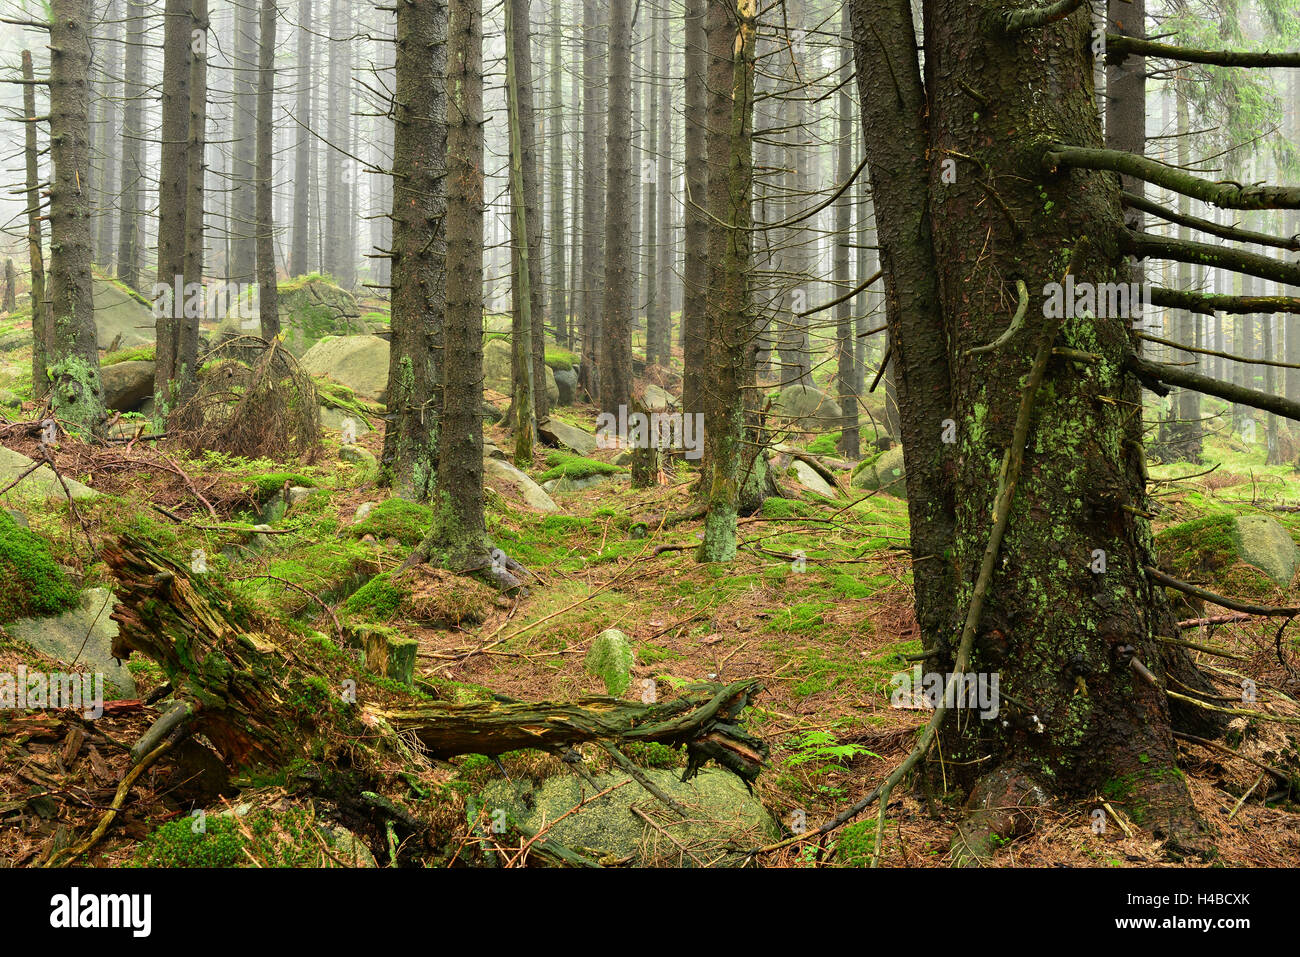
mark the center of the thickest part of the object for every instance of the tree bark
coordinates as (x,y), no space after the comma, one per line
(42,328)
(131,170)
(419,296)
(76,395)
(620,275)
(300,254)
(268,292)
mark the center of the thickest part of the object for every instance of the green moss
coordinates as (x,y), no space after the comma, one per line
(560,359)
(265,486)
(857,843)
(377,600)
(33,585)
(136,354)
(787,508)
(408,522)
(262,838)
(568,465)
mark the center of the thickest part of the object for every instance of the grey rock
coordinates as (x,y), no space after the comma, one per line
(358,362)
(356,455)
(533,494)
(62,637)
(807,409)
(1261,541)
(569,436)
(41,484)
(885,473)
(566,385)
(722,808)
(809,478)
(127,384)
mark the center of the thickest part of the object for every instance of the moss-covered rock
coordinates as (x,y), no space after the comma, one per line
(311,307)
(408,522)
(611,659)
(726,818)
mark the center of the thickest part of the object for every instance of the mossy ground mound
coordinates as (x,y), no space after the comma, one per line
(422,595)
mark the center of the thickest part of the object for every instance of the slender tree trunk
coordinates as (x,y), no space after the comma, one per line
(187,340)
(268,291)
(695,335)
(419,295)
(41,326)
(243,201)
(558,307)
(620,275)
(76,395)
(593,193)
(302,148)
(650,182)
(108,184)
(173,183)
(523,409)
(731,30)
(846,372)
(662,277)
(131,170)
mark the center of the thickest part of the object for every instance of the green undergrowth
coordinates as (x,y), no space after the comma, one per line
(408,522)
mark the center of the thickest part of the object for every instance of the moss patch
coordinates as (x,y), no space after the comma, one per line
(33,585)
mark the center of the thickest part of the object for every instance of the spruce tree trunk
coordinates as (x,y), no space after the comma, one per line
(268,297)
(187,340)
(730,30)
(593,193)
(620,235)
(419,249)
(695,267)
(173,183)
(558,307)
(299,255)
(42,329)
(76,395)
(109,175)
(243,201)
(846,371)
(523,410)
(131,168)
(650,183)
(662,278)
(1075,717)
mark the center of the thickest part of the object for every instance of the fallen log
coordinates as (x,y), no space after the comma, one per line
(239,676)
(704,719)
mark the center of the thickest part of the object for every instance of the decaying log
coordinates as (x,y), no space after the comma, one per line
(704,719)
(232,671)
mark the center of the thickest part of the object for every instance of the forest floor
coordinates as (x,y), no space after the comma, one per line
(825,637)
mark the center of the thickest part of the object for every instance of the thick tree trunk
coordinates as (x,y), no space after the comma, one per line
(731,29)
(76,395)
(419,250)
(1074,714)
